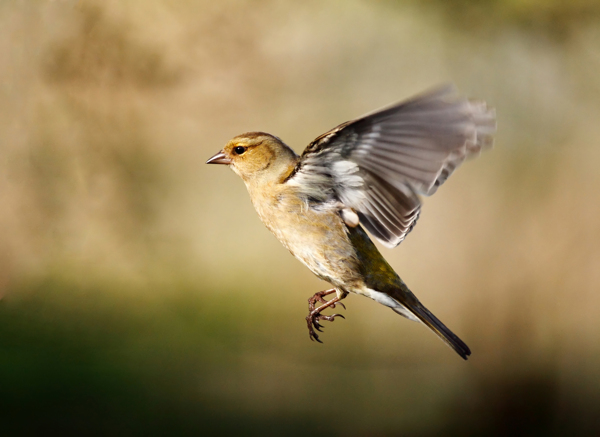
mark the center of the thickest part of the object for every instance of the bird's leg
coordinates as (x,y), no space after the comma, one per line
(314,314)
(318,297)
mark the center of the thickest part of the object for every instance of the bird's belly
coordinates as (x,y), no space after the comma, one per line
(318,239)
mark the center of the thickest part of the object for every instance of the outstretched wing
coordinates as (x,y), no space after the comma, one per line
(378,164)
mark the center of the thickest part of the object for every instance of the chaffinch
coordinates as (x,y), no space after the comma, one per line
(368,174)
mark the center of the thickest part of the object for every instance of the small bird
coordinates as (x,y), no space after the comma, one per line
(368,174)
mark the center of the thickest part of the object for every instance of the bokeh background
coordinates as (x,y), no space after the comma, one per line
(141,295)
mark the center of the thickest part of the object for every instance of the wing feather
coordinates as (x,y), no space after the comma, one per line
(378,164)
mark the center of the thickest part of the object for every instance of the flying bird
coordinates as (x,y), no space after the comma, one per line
(365,174)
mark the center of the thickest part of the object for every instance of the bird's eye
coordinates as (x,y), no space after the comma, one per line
(239,150)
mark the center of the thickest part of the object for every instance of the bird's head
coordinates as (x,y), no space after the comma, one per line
(257,157)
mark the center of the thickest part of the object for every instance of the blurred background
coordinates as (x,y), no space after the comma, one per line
(141,295)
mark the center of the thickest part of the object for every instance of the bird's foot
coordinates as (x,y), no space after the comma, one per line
(315,316)
(313,320)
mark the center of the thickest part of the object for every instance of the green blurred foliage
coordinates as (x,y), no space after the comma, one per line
(141,294)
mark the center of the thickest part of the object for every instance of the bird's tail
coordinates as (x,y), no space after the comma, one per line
(422,314)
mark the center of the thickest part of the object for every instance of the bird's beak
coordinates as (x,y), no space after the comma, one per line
(219,158)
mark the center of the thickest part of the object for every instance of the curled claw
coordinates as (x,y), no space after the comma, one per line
(330,318)
(338,303)
(314,336)
(315,316)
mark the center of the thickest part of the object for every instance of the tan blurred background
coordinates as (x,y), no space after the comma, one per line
(141,295)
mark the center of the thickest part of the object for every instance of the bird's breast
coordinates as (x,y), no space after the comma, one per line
(315,234)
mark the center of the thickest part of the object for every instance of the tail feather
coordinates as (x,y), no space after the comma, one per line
(433,323)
